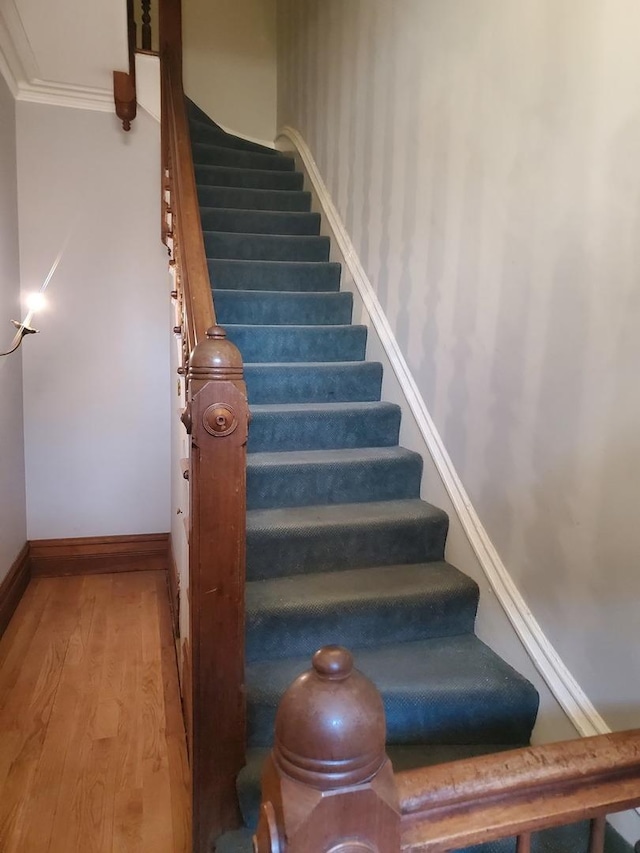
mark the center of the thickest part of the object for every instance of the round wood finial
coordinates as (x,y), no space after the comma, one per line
(215,358)
(333,662)
(330,725)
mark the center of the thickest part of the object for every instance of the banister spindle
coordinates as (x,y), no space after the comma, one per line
(596,834)
(146,25)
(328,785)
(524,843)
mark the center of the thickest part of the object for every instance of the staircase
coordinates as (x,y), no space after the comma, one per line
(340,547)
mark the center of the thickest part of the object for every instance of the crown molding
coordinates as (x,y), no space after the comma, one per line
(66,95)
(17,60)
(19,67)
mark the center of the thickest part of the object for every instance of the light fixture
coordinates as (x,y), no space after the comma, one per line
(34,302)
(23,330)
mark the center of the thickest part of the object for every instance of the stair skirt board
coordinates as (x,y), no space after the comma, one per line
(340,546)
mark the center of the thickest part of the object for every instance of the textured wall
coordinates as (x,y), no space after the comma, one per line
(96,380)
(485,159)
(230,63)
(13,529)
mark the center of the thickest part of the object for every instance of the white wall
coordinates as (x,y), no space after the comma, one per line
(13,529)
(230,63)
(96,390)
(484,157)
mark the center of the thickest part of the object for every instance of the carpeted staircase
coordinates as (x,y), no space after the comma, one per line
(340,547)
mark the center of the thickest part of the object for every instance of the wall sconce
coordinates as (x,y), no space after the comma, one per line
(35,302)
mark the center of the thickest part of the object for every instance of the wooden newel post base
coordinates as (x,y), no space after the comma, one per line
(328,786)
(217,418)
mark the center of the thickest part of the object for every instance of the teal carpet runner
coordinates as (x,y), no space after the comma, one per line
(340,546)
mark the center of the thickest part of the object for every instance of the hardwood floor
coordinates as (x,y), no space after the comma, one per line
(92,745)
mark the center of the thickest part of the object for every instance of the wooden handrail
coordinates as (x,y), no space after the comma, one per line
(216,417)
(182,230)
(328,785)
(515,793)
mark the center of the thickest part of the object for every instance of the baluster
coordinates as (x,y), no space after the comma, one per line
(146,24)
(328,784)
(596,835)
(524,843)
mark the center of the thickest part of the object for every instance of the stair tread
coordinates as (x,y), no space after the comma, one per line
(268,247)
(249,221)
(295,343)
(342,515)
(298,295)
(211,149)
(275,238)
(305,365)
(244,169)
(451,689)
(313,382)
(424,668)
(246,178)
(393,583)
(261,199)
(323,426)
(276,307)
(285,409)
(337,456)
(219,133)
(298,327)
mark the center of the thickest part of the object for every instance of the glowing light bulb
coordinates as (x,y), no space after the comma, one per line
(36,302)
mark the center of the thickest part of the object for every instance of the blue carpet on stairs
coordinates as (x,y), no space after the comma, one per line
(340,546)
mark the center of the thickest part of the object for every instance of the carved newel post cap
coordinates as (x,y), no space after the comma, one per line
(330,726)
(215,358)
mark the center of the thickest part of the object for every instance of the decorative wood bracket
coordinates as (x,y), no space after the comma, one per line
(124,95)
(124,83)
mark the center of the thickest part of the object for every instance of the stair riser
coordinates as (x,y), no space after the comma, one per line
(312,485)
(213,155)
(438,719)
(357,382)
(284,431)
(282,309)
(265,247)
(272,636)
(259,344)
(213,136)
(260,222)
(271,553)
(264,200)
(275,276)
(220,176)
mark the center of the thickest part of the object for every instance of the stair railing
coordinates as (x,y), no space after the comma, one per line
(216,417)
(328,786)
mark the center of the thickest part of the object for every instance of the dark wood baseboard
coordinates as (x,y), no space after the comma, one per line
(13,586)
(174,590)
(99,554)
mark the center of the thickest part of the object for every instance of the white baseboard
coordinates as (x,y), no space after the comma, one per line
(562,684)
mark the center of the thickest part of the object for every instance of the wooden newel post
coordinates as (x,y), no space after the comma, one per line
(328,786)
(217,417)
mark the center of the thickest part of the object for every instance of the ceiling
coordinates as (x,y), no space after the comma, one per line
(63,51)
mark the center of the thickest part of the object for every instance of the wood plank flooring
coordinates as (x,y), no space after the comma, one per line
(92,744)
